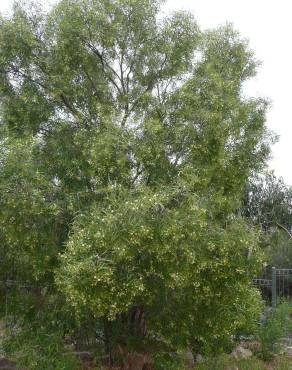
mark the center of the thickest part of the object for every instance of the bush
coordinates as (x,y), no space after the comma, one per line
(36,349)
(170,361)
(274,326)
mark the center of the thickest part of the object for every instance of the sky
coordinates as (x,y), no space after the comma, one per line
(268,27)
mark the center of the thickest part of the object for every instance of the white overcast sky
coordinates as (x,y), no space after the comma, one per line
(267,24)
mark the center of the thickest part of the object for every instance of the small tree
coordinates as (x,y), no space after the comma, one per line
(126,145)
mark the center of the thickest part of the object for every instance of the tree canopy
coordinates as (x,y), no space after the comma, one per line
(126,145)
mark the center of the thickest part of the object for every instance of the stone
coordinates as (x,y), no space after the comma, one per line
(288,351)
(241,353)
(7,364)
(84,356)
(199,358)
(188,359)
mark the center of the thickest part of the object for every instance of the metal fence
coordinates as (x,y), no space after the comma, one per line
(275,284)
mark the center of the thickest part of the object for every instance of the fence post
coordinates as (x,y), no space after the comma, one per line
(274,287)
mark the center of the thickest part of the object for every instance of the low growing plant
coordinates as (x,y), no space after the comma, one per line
(275,326)
(37,349)
(224,362)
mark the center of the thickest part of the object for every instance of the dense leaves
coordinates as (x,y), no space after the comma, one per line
(126,143)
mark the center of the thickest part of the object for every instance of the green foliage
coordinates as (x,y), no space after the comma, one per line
(275,326)
(171,361)
(126,143)
(36,348)
(226,319)
(282,363)
(278,248)
(226,362)
(268,203)
(140,253)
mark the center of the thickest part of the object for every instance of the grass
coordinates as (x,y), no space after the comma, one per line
(226,362)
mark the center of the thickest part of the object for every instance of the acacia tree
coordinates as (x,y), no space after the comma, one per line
(126,145)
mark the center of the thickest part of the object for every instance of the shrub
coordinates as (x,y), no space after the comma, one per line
(274,326)
(37,349)
(170,361)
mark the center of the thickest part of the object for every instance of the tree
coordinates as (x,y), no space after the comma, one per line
(268,204)
(126,145)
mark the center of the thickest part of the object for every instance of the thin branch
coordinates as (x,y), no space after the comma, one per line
(121,61)
(105,66)
(138,173)
(91,82)
(24,75)
(284,228)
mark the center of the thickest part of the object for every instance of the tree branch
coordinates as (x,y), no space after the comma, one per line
(284,228)
(105,66)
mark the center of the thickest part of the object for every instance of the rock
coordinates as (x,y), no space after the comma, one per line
(84,356)
(199,359)
(240,353)
(188,359)
(288,351)
(7,364)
